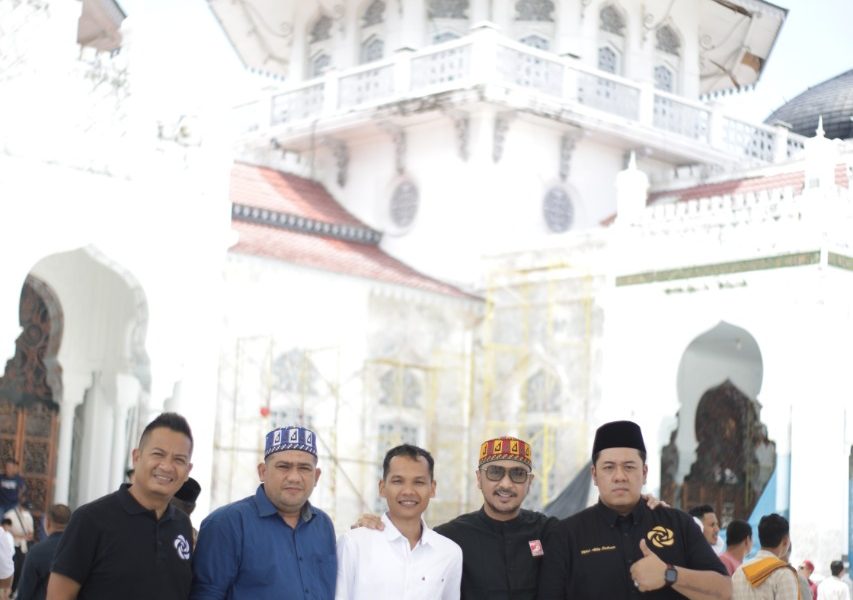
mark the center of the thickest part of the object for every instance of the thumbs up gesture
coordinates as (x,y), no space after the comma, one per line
(648,572)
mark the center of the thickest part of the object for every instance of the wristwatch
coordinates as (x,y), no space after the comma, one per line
(670,576)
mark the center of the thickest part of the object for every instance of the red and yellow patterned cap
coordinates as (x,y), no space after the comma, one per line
(506,448)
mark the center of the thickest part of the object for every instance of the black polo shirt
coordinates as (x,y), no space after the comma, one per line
(116,548)
(589,555)
(500,559)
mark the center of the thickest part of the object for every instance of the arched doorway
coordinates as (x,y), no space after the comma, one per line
(28,390)
(720,453)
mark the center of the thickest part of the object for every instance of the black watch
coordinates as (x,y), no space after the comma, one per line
(670,576)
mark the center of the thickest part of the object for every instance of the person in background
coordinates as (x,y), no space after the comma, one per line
(23,530)
(7,560)
(184,500)
(12,486)
(705,515)
(36,571)
(806,569)
(768,576)
(832,588)
(738,544)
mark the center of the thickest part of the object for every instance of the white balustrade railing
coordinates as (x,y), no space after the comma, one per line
(484,57)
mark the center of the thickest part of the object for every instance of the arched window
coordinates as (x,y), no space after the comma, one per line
(664,78)
(535,41)
(447,19)
(372,49)
(371,32)
(612,26)
(558,210)
(319,46)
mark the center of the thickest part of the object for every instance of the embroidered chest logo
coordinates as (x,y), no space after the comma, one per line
(182,546)
(536,548)
(660,536)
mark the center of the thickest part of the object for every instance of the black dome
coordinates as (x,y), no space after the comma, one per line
(832,99)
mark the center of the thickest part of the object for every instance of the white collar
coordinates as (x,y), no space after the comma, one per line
(392,533)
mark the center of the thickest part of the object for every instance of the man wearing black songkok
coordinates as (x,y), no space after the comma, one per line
(619,548)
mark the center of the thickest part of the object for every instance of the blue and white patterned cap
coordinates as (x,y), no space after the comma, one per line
(290,437)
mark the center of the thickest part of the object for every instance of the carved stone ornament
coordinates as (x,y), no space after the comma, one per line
(534,10)
(667,40)
(448,9)
(340,150)
(558,210)
(567,147)
(499,138)
(322,29)
(404,204)
(461,125)
(374,15)
(611,20)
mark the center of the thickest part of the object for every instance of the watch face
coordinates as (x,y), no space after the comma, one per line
(670,575)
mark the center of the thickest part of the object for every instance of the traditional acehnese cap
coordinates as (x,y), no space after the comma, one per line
(189,491)
(506,448)
(618,434)
(290,437)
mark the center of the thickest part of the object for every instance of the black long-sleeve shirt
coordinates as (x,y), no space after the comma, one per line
(589,555)
(500,559)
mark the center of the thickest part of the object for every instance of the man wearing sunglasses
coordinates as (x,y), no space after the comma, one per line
(501,543)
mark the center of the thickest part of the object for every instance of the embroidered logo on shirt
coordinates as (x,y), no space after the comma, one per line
(660,536)
(536,548)
(183,547)
(595,549)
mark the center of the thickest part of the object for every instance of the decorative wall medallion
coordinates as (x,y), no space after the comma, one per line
(404,204)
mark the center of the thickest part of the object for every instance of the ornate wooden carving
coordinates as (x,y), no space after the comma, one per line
(735,459)
(28,412)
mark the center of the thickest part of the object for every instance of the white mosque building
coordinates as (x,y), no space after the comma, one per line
(428,221)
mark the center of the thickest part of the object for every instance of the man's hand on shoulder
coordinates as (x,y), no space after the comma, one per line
(369,521)
(653,502)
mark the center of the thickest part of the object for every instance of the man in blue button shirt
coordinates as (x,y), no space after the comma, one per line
(273,545)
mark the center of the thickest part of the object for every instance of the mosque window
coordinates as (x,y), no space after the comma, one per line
(668,41)
(542,392)
(558,210)
(664,79)
(404,204)
(400,387)
(611,20)
(608,59)
(294,372)
(373,48)
(535,41)
(448,9)
(320,64)
(374,15)
(534,10)
(322,29)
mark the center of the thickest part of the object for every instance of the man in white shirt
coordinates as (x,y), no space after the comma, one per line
(406,560)
(768,576)
(833,588)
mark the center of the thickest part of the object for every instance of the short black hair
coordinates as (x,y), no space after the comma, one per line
(701,510)
(597,454)
(410,451)
(6,522)
(59,514)
(737,531)
(772,529)
(836,567)
(169,420)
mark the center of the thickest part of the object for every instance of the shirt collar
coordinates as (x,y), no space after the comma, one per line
(494,523)
(132,507)
(610,516)
(391,532)
(267,508)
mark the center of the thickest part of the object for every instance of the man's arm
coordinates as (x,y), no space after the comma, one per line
(60,587)
(216,558)
(29,576)
(347,568)
(648,574)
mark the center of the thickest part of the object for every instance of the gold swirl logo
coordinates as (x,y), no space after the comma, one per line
(660,536)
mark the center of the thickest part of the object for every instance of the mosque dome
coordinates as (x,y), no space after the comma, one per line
(832,100)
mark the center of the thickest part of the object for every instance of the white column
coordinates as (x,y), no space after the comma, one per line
(94,459)
(127,389)
(480,11)
(73,392)
(412,24)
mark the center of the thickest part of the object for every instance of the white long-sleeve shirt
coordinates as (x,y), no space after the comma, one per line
(379,565)
(832,588)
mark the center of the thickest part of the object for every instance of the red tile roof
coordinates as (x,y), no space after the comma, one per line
(285,193)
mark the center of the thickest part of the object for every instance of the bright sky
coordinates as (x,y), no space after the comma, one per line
(815,44)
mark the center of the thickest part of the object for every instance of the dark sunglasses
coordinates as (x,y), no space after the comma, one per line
(516,474)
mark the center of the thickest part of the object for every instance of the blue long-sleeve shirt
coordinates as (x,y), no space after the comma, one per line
(246,551)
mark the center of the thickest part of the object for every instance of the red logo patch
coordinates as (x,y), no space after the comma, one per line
(536,548)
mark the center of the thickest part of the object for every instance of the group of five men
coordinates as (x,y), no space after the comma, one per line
(276,545)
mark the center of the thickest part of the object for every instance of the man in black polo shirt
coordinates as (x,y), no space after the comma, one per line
(132,544)
(619,549)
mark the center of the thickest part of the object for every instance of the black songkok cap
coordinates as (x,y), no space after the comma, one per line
(618,434)
(189,491)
